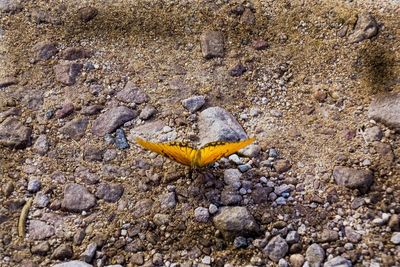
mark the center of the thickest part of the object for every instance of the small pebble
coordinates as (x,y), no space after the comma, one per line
(120,139)
(201,214)
(212,209)
(34,185)
(240,242)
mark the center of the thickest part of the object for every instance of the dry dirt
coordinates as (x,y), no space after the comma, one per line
(156,44)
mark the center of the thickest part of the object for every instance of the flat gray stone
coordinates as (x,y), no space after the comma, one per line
(338,261)
(73,264)
(353,178)
(366,28)
(315,255)
(112,119)
(194,103)
(385,108)
(217,124)
(14,134)
(77,198)
(235,221)
(75,129)
(132,94)
(67,72)
(39,230)
(212,44)
(276,248)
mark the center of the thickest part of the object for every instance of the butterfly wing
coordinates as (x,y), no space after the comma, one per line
(213,151)
(176,151)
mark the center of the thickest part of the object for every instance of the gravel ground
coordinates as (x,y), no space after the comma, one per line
(315,82)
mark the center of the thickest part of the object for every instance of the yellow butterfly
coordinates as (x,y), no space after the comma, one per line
(185,154)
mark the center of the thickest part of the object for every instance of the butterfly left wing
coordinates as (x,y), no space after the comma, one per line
(176,151)
(213,151)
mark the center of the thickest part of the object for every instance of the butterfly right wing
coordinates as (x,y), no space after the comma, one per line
(176,151)
(213,151)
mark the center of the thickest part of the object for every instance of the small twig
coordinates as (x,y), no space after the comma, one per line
(22,218)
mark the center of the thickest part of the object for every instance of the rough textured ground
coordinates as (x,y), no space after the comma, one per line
(304,95)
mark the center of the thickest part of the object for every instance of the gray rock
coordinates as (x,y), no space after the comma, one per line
(237,70)
(120,139)
(87,13)
(41,200)
(235,221)
(77,198)
(89,252)
(147,112)
(41,145)
(75,129)
(74,53)
(14,134)
(395,239)
(373,133)
(34,185)
(39,230)
(109,192)
(137,258)
(91,110)
(194,103)
(79,236)
(352,235)
(328,235)
(338,261)
(132,94)
(385,108)
(167,200)
(283,188)
(41,248)
(87,176)
(292,237)
(10,6)
(240,242)
(161,219)
(66,109)
(62,252)
(45,50)
(142,208)
(260,194)
(212,44)
(112,119)
(217,124)
(366,28)
(280,201)
(283,263)
(276,248)
(251,151)
(282,165)
(315,255)
(109,155)
(93,153)
(232,178)
(357,202)
(230,196)
(157,259)
(244,167)
(67,72)
(201,214)
(148,130)
(213,209)
(73,264)
(353,178)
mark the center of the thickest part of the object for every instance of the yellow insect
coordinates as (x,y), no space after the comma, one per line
(185,154)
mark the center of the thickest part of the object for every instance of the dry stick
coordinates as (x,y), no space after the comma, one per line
(22,218)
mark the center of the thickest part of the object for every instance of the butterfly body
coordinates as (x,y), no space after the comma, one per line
(185,154)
